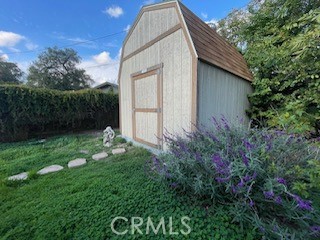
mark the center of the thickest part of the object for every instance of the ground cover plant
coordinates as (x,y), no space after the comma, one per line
(81,203)
(265,178)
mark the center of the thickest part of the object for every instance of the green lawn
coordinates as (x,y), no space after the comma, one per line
(81,203)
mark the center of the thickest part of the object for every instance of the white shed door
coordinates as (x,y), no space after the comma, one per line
(146,106)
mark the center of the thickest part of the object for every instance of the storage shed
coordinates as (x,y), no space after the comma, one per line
(175,73)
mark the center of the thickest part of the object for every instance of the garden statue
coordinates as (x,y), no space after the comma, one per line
(108,136)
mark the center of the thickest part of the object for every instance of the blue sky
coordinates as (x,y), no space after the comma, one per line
(27,27)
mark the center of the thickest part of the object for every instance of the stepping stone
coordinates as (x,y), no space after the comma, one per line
(118,151)
(77,162)
(50,169)
(20,176)
(84,151)
(100,156)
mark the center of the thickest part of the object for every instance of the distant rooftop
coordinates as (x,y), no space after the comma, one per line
(106,84)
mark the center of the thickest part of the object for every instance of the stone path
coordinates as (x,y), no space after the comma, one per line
(77,162)
(84,151)
(50,169)
(20,176)
(99,156)
(118,151)
(71,164)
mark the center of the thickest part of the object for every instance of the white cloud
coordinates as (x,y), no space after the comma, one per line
(24,65)
(213,23)
(4,57)
(204,15)
(114,11)
(31,46)
(148,2)
(127,28)
(9,39)
(102,58)
(12,49)
(107,72)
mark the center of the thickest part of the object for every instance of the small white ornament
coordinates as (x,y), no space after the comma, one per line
(108,136)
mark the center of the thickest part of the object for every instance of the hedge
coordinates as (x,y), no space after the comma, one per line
(29,112)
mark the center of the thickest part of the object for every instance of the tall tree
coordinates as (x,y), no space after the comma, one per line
(281,40)
(57,69)
(9,72)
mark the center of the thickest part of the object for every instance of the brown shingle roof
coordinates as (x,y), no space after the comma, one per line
(212,48)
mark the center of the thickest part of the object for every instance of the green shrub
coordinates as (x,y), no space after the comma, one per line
(252,172)
(27,112)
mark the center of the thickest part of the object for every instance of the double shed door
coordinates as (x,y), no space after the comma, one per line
(147,106)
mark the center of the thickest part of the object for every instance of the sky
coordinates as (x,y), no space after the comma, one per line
(28,27)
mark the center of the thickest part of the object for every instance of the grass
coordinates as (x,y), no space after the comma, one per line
(81,203)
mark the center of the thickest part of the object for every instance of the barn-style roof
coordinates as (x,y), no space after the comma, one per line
(206,43)
(213,48)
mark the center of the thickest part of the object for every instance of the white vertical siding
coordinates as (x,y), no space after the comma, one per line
(174,53)
(150,25)
(143,98)
(221,93)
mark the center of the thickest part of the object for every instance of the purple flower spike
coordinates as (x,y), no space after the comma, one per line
(241,183)
(156,163)
(282,181)
(216,159)
(269,146)
(222,180)
(302,204)
(247,178)
(315,231)
(216,123)
(278,200)
(212,136)
(254,175)
(183,147)
(315,228)
(268,194)
(245,159)
(222,167)
(251,203)
(247,144)
(176,153)
(305,205)
(225,123)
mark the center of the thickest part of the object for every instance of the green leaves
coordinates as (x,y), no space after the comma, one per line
(57,69)
(9,72)
(282,40)
(26,110)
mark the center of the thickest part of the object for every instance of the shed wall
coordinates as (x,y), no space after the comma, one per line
(150,25)
(221,93)
(174,53)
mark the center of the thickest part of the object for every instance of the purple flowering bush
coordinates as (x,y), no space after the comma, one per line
(250,171)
